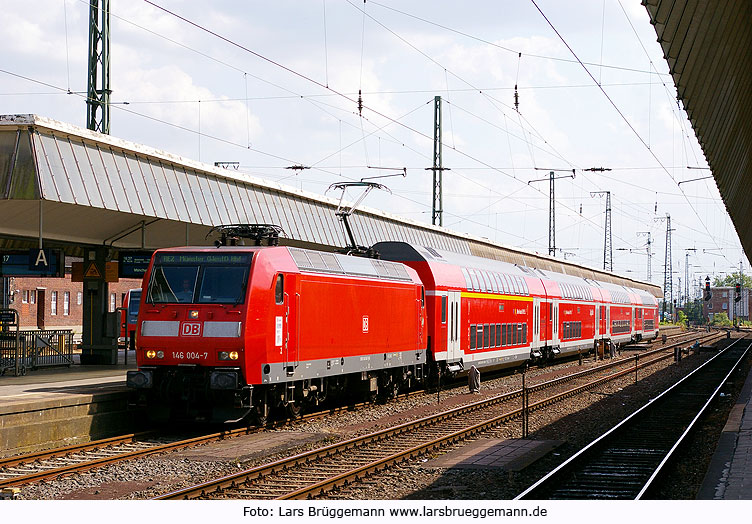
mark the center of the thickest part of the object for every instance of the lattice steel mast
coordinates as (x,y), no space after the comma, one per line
(437,215)
(98,91)
(650,254)
(608,252)
(668,291)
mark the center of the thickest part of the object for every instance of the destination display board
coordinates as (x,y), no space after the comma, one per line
(192,259)
(32,263)
(133,264)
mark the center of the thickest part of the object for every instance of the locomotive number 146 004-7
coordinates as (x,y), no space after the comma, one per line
(190,355)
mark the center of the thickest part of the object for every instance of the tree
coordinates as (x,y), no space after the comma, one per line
(721,319)
(693,310)
(681,318)
(732,279)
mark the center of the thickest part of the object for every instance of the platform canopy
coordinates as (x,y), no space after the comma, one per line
(708,47)
(90,189)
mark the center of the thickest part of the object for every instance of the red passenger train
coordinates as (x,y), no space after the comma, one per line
(226,333)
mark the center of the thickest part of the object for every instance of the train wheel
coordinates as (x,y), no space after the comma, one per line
(261,414)
(294,410)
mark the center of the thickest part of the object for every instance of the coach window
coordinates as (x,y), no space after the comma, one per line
(279,290)
(524,333)
(498,335)
(443,309)
(492,343)
(472,336)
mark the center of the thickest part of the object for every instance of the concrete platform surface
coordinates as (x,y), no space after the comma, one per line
(729,476)
(54,407)
(510,454)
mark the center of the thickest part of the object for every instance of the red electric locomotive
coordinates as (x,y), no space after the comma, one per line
(230,331)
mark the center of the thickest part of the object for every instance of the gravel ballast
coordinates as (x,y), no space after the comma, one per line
(576,421)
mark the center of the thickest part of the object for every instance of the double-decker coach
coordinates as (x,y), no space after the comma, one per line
(493,314)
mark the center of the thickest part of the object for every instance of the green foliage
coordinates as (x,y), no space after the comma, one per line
(693,310)
(681,318)
(732,279)
(721,319)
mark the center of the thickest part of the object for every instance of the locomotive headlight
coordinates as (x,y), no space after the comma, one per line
(151,353)
(160,354)
(193,313)
(228,355)
(233,355)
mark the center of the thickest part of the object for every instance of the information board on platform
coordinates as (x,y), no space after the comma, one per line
(32,263)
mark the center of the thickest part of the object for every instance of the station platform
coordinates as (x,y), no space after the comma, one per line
(729,476)
(54,407)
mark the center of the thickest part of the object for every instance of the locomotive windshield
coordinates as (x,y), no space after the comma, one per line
(199,278)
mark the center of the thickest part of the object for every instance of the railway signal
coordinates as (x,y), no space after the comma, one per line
(708,294)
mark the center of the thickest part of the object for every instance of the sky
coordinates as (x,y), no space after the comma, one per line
(276,84)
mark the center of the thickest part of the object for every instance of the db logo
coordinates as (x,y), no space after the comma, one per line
(190,329)
(365,324)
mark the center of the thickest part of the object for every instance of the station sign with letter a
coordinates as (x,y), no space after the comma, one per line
(34,262)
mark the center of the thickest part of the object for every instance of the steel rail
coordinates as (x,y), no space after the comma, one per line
(343,478)
(134,438)
(103,444)
(570,462)
(67,450)
(236,480)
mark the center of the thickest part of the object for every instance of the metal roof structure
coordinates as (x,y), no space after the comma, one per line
(708,47)
(76,188)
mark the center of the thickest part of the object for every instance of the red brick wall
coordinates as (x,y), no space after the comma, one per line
(23,287)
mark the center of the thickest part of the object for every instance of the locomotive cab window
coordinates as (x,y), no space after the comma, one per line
(279,290)
(187,278)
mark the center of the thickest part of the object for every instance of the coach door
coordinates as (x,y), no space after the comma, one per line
(555,318)
(454,351)
(536,322)
(598,330)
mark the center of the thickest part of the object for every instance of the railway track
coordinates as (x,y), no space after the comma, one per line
(626,461)
(315,472)
(45,465)
(34,467)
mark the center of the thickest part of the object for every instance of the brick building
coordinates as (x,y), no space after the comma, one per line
(722,301)
(63,300)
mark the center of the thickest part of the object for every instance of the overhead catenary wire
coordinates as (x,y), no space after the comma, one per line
(347,122)
(626,120)
(498,46)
